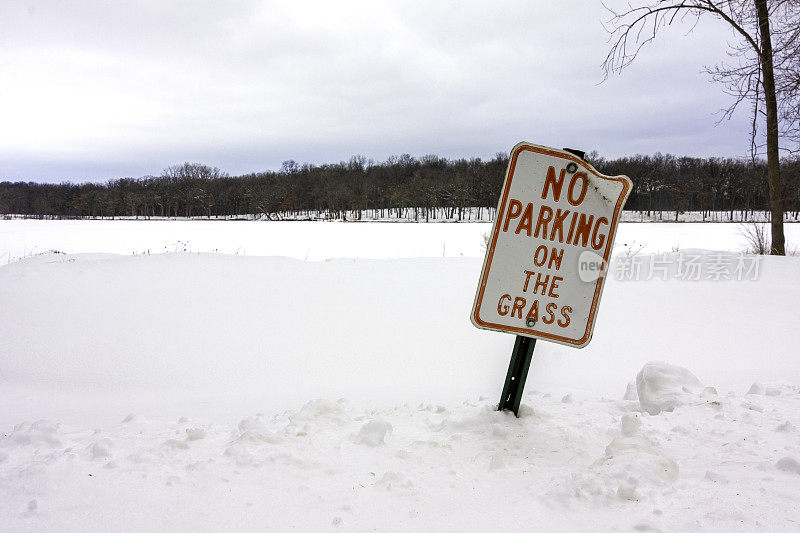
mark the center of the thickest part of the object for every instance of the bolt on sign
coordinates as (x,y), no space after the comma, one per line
(551,240)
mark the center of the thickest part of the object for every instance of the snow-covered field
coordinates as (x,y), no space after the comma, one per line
(316,241)
(197,391)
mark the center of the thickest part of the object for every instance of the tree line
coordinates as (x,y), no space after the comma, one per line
(427,184)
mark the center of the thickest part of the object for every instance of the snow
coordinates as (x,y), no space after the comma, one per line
(197,391)
(318,241)
(373,433)
(663,387)
(789,465)
(595,463)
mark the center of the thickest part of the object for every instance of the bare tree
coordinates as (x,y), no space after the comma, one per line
(766,72)
(755,235)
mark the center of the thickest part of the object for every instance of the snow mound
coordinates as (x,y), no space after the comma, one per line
(633,467)
(769,390)
(630,392)
(788,464)
(630,424)
(101,449)
(373,432)
(253,434)
(322,413)
(40,434)
(253,430)
(663,387)
(395,480)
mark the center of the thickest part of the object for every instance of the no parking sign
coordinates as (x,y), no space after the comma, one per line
(545,263)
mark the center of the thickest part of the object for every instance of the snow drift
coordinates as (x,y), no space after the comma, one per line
(206,392)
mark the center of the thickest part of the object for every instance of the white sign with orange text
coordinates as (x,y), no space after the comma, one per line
(546,259)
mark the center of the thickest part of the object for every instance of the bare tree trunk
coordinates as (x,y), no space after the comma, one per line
(773,156)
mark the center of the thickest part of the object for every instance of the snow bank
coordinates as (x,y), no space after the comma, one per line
(217,361)
(109,335)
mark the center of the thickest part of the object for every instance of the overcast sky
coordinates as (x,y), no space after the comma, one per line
(98,90)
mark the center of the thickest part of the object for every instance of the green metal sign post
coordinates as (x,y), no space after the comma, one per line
(521,358)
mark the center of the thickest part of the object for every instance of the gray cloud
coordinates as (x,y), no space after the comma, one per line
(94,90)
